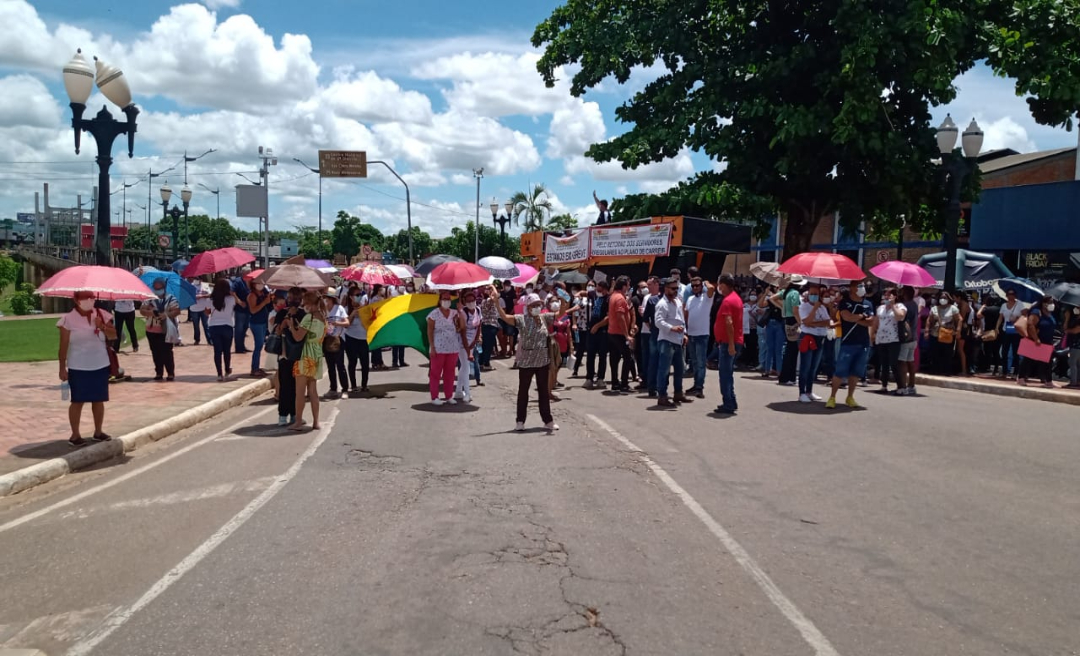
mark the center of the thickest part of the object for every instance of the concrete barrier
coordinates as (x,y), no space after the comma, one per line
(1034,391)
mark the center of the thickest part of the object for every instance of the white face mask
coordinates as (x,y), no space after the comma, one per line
(471,305)
(86,304)
(534,311)
(860,291)
(753,299)
(1076,310)
(444,305)
(554,307)
(943,302)
(591,288)
(1050,307)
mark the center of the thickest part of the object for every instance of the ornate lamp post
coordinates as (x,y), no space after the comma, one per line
(501,222)
(956,170)
(185,198)
(79,81)
(175,213)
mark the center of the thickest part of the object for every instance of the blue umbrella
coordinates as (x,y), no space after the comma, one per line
(1026,291)
(183,290)
(179,265)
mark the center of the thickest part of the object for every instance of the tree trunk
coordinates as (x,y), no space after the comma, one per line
(799,228)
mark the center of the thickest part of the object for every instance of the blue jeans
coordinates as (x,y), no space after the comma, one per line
(488,335)
(648,345)
(201,326)
(258,333)
(220,337)
(774,336)
(726,368)
(809,363)
(699,346)
(240,328)
(668,354)
(653,371)
(762,349)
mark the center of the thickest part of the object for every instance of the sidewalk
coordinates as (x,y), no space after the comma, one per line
(988,385)
(36,425)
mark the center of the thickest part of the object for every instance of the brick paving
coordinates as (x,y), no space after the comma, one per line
(36,428)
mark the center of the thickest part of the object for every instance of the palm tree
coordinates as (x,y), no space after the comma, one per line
(533,208)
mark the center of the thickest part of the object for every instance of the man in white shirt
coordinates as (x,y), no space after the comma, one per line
(124,315)
(698,310)
(670,321)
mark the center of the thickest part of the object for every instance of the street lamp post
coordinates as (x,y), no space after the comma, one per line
(175,213)
(479,173)
(217,193)
(319,173)
(408,205)
(185,198)
(79,80)
(956,169)
(501,222)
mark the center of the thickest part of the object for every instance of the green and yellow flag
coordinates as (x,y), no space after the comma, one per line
(399,321)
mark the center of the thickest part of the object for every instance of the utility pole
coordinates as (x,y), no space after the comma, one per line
(479,173)
(408,205)
(268,160)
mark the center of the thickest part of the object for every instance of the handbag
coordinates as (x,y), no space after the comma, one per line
(114,361)
(808,343)
(1010,328)
(292,349)
(946,335)
(791,331)
(331,344)
(273,344)
(990,336)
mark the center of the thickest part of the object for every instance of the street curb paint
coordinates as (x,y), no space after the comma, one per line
(968,385)
(48,470)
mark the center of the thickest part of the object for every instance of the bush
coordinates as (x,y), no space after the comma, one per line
(24,301)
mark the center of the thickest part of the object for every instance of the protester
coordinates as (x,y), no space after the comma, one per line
(814,321)
(162,330)
(197,312)
(649,339)
(84,364)
(220,330)
(508,334)
(789,303)
(333,345)
(444,329)
(243,316)
(1009,314)
(907,328)
(595,375)
(885,336)
(1040,330)
(965,338)
(258,305)
(124,315)
(730,339)
(856,319)
(356,345)
(670,321)
(534,359)
(942,327)
(988,315)
(470,335)
(291,351)
(620,327)
(1072,341)
(560,341)
(759,315)
(309,368)
(697,306)
(489,326)
(774,334)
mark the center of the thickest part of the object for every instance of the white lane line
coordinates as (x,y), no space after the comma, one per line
(119,618)
(810,633)
(182,496)
(131,474)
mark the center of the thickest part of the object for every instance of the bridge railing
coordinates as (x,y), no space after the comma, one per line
(125,259)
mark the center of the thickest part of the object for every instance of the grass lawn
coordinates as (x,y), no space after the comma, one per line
(34,340)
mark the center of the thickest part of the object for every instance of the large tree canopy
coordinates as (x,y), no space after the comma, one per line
(814,106)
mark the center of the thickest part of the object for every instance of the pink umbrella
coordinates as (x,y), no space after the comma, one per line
(526,273)
(372,273)
(904,273)
(455,276)
(219,259)
(829,266)
(106,283)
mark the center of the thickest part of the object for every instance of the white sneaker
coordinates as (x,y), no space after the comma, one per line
(519,427)
(458,396)
(551,427)
(803,398)
(815,397)
(467,398)
(451,402)
(910,391)
(437,402)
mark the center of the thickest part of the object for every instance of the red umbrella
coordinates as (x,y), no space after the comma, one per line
(254,274)
(106,283)
(823,265)
(372,273)
(220,259)
(455,276)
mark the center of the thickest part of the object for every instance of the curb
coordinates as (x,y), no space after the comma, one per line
(21,652)
(42,472)
(1017,392)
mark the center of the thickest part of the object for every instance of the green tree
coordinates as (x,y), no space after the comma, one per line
(461,242)
(562,222)
(532,208)
(343,237)
(816,107)
(9,271)
(398,244)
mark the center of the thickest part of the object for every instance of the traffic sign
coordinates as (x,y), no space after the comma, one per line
(342,163)
(163,241)
(882,256)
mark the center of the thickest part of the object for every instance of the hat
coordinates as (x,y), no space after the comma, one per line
(530,299)
(797,280)
(331,291)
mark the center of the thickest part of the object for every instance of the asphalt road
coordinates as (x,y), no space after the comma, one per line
(946,524)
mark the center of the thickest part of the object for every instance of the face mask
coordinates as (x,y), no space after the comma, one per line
(160,292)
(554,307)
(591,289)
(753,299)
(641,291)
(860,291)
(1050,307)
(534,311)
(1076,310)
(889,300)
(86,304)
(356,298)
(471,305)
(444,305)
(813,298)
(401,290)
(528,290)
(943,302)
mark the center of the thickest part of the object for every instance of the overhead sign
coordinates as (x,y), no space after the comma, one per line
(163,241)
(251,201)
(343,163)
(567,250)
(632,241)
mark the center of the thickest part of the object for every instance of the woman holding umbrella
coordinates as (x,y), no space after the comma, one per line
(161,330)
(84,363)
(309,368)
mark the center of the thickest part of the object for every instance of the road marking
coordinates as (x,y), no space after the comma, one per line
(119,618)
(131,474)
(57,627)
(810,633)
(183,496)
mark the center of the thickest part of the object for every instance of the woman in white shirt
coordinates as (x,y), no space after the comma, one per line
(84,363)
(356,346)
(885,334)
(814,325)
(337,319)
(1008,337)
(221,322)
(943,315)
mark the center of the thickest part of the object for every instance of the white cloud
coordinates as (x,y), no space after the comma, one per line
(495,84)
(365,96)
(24,101)
(653,177)
(1006,133)
(222,4)
(574,128)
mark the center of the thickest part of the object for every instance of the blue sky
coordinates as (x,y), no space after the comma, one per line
(436,88)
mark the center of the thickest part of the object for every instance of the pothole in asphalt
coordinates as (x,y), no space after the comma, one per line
(363,457)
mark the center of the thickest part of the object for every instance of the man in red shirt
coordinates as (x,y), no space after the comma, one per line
(621,328)
(729,337)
